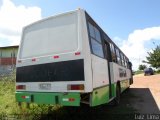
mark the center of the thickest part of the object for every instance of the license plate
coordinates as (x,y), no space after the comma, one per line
(45,86)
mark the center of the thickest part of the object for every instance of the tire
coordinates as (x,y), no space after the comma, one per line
(117,98)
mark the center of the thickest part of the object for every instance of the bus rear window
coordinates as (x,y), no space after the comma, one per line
(54,35)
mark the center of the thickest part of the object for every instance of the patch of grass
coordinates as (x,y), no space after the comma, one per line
(7,98)
(138,72)
(9,106)
(157,72)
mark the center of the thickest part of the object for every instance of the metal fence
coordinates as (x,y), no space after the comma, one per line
(6,70)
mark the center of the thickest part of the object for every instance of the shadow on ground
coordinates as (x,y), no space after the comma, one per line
(144,101)
(134,101)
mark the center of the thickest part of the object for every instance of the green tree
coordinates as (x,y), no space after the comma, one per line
(142,67)
(153,57)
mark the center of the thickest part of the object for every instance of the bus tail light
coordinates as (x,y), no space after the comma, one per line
(75,87)
(20,87)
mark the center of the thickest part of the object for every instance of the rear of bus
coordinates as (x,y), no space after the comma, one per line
(53,62)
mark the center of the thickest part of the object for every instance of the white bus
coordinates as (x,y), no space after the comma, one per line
(68,59)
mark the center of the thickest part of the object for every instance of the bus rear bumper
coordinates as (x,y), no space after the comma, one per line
(64,99)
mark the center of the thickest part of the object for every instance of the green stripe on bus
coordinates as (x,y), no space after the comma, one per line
(100,96)
(67,99)
(113,87)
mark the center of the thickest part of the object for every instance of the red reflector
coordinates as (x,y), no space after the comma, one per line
(77,53)
(23,97)
(71,99)
(33,59)
(56,57)
(20,87)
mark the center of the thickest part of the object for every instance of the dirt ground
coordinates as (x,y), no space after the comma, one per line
(147,90)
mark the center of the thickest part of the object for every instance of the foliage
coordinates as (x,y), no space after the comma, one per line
(138,72)
(157,72)
(142,67)
(154,57)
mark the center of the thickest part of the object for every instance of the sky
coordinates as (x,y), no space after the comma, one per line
(134,25)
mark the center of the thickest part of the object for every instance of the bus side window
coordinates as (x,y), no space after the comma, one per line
(125,63)
(118,57)
(129,65)
(97,33)
(91,30)
(113,55)
(122,59)
(95,39)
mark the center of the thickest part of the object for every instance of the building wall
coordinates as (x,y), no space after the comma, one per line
(8,57)
(8,61)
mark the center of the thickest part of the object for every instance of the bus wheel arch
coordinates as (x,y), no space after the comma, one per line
(118,92)
(118,85)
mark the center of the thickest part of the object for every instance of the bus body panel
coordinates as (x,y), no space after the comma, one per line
(50,86)
(51,36)
(100,96)
(35,34)
(69,99)
(100,72)
(83,34)
(119,73)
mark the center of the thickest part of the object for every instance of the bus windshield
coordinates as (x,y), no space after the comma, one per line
(54,35)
